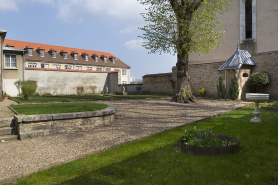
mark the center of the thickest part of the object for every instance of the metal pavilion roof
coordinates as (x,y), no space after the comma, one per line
(239,58)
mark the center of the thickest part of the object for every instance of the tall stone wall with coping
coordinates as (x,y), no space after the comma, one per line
(268,61)
(158,83)
(204,76)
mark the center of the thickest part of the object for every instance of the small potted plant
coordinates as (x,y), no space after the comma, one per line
(6,95)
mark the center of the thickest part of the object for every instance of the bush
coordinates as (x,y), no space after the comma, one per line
(221,90)
(46,94)
(258,81)
(80,90)
(234,89)
(33,83)
(19,83)
(203,92)
(28,91)
(93,89)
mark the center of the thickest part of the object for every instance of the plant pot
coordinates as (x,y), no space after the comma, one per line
(5,97)
(209,151)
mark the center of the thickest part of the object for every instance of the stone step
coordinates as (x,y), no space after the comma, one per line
(8,138)
(7,131)
(7,122)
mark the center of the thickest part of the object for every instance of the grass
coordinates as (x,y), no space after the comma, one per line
(54,108)
(153,160)
(82,98)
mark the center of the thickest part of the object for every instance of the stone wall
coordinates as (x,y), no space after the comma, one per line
(268,61)
(204,76)
(158,83)
(49,124)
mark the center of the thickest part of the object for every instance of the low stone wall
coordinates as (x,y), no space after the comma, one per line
(49,124)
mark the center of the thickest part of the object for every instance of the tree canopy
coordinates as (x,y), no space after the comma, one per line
(182,26)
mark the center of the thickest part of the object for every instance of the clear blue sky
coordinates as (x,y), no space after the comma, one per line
(100,25)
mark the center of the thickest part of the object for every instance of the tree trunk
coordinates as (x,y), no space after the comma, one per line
(184,93)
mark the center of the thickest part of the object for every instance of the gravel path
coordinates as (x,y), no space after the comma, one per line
(135,119)
(5,112)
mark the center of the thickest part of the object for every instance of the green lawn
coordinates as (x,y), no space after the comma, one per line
(83,98)
(62,98)
(153,160)
(54,108)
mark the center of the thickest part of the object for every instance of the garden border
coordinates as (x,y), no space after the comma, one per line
(29,126)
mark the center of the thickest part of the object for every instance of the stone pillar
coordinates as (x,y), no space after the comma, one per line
(174,79)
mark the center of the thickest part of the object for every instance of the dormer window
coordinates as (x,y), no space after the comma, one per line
(75,56)
(96,58)
(53,54)
(105,59)
(113,60)
(41,52)
(86,57)
(65,55)
(30,51)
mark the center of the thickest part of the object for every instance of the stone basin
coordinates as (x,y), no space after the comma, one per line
(257,96)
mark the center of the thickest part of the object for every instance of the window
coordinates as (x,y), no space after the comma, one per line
(123,71)
(99,69)
(89,68)
(53,54)
(116,69)
(55,66)
(245,75)
(248,19)
(30,51)
(41,52)
(105,59)
(67,66)
(124,82)
(78,67)
(75,55)
(86,57)
(10,61)
(113,60)
(31,64)
(108,69)
(96,58)
(45,66)
(65,55)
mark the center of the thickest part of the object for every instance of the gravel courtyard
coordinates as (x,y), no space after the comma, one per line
(135,119)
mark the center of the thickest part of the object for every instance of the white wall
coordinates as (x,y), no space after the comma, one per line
(9,87)
(60,82)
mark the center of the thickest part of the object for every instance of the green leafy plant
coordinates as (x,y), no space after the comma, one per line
(205,138)
(188,94)
(182,93)
(234,89)
(33,83)
(47,94)
(202,92)
(258,81)
(93,88)
(221,90)
(19,83)
(80,90)
(28,91)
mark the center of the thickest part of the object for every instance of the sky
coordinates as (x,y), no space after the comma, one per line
(99,25)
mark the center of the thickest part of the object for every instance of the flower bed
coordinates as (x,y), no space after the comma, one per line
(206,143)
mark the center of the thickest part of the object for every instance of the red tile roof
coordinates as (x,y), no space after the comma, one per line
(60,59)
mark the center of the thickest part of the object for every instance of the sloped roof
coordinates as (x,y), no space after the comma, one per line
(239,58)
(21,45)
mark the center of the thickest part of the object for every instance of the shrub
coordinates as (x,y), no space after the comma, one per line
(203,92)
(80,90)
(33,83)
(28,91)
(234,89)
(221,90)
(93,89)
(47,94)
(19,83)
(182,92)
(258,81)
